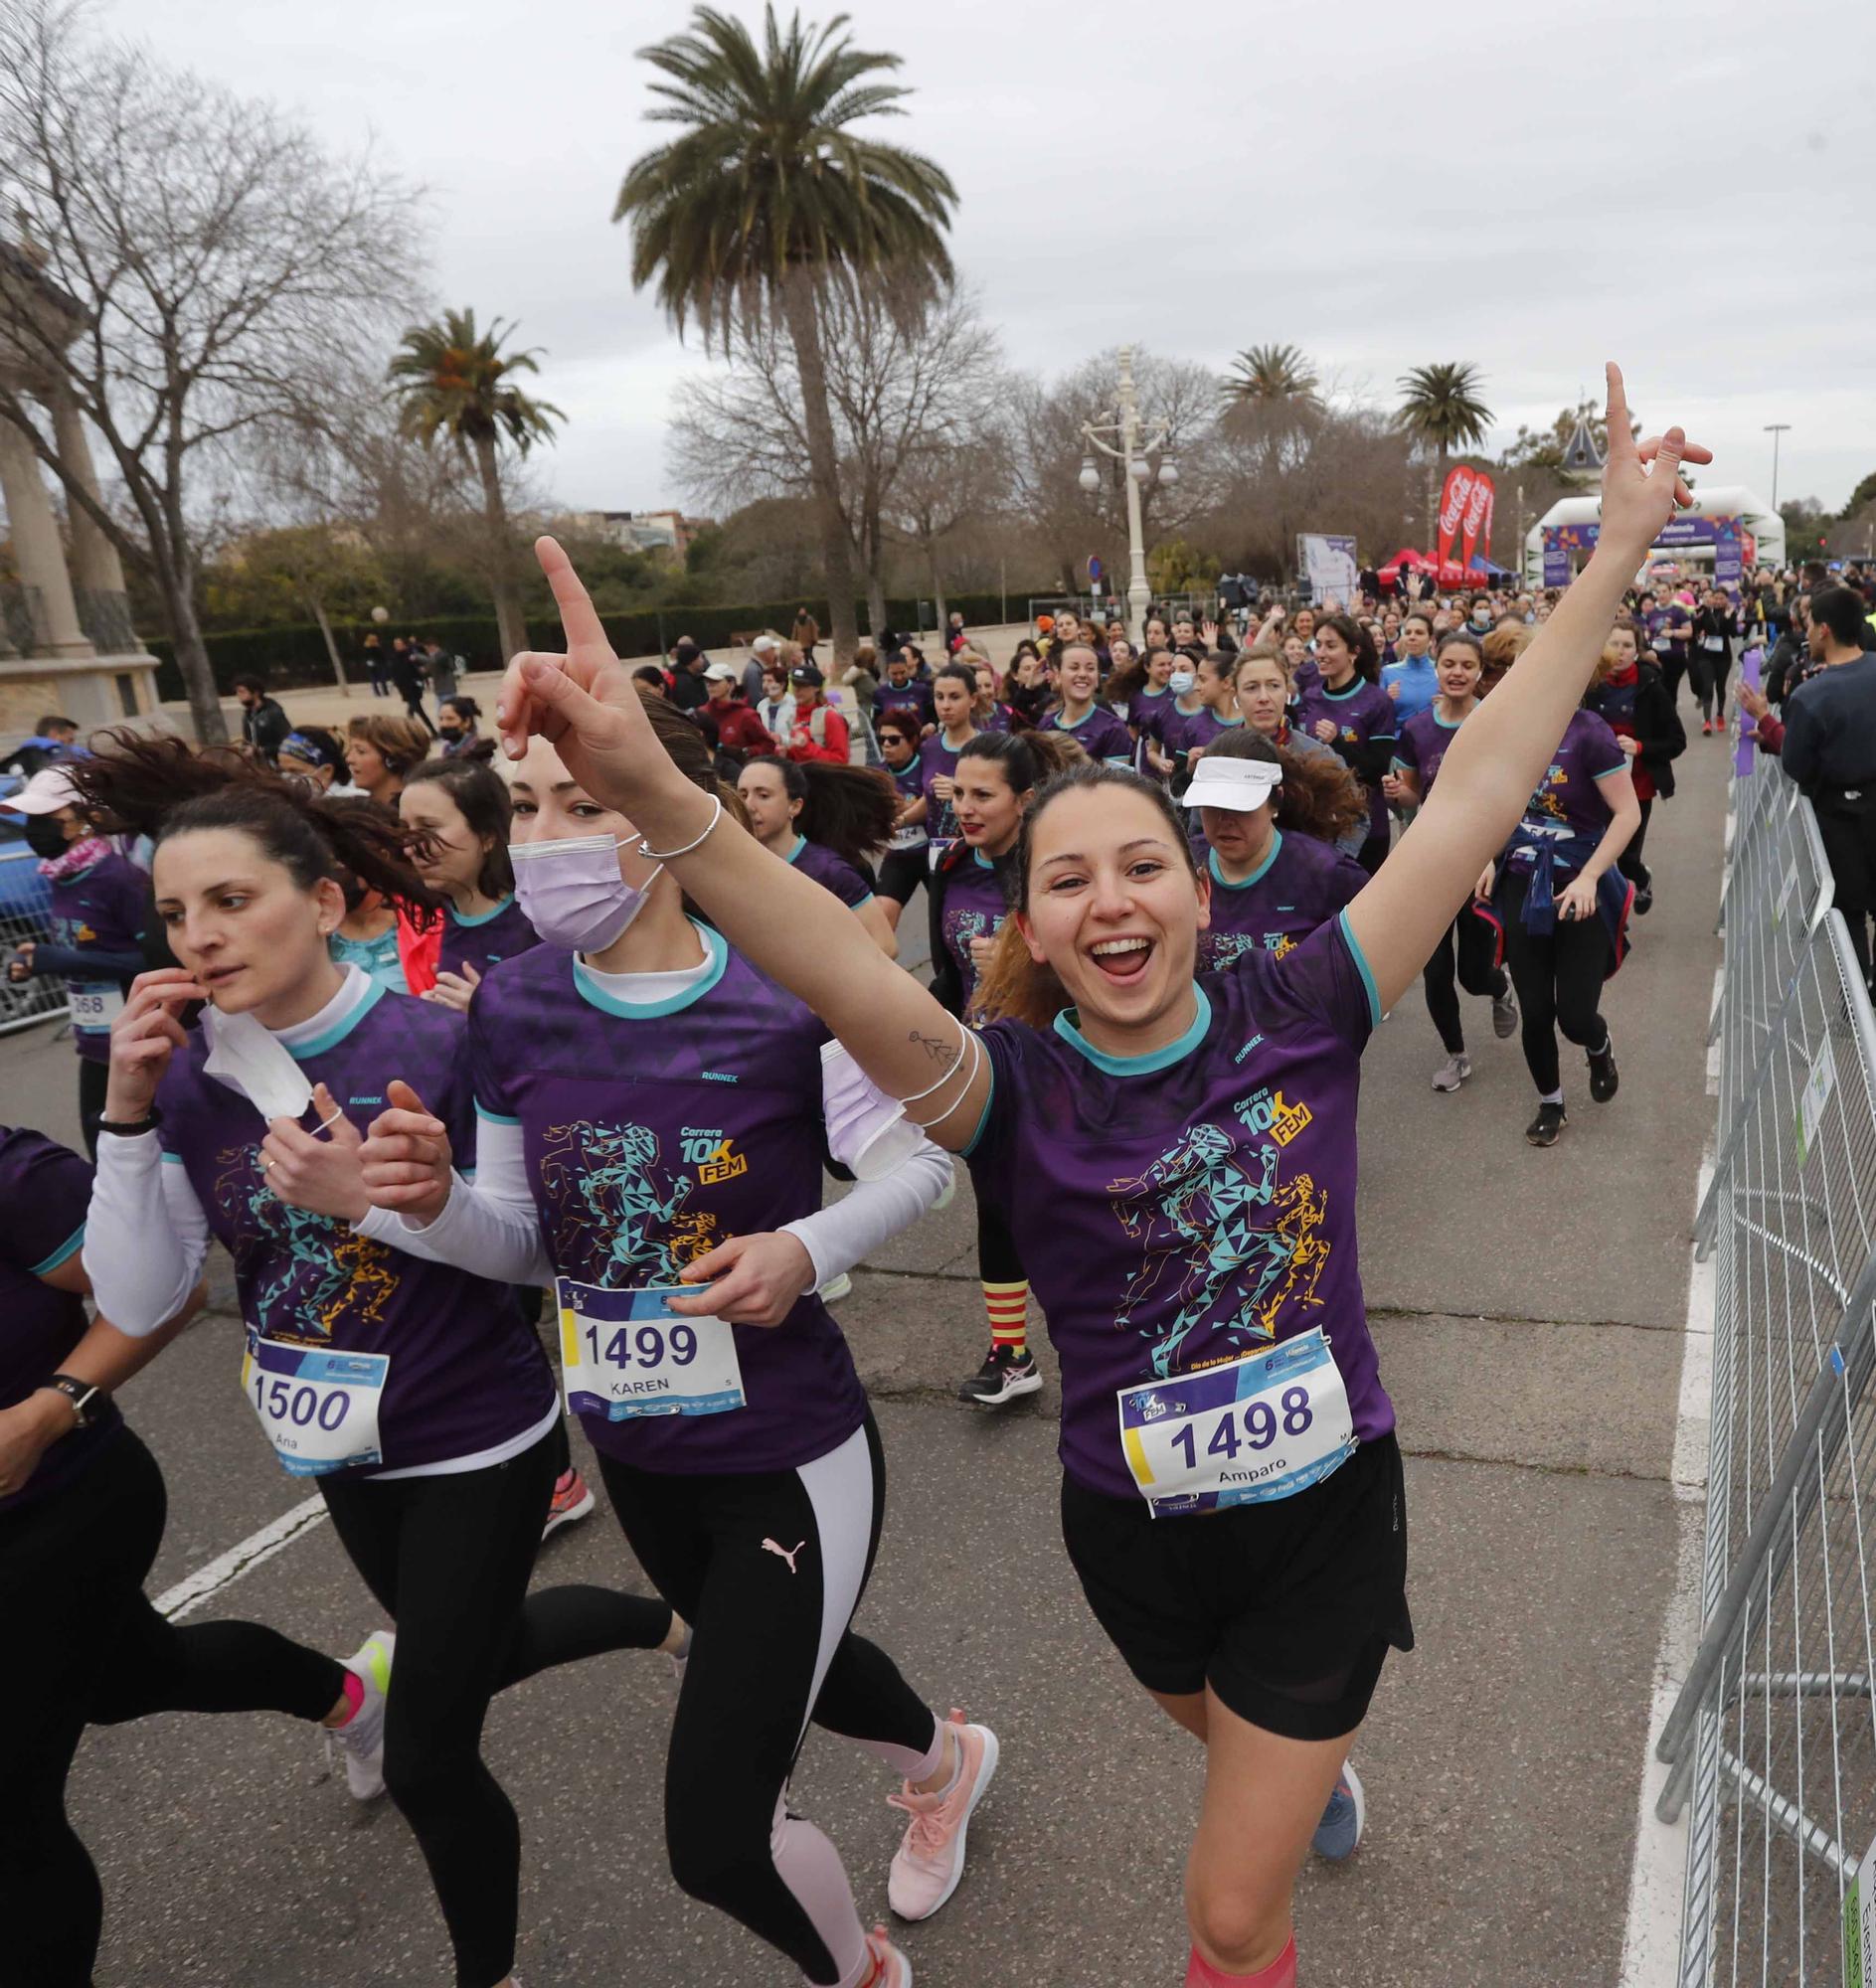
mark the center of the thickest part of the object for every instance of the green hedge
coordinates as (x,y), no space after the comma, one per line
(294,657)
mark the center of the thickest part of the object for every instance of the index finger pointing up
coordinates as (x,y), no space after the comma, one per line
(577,613)
(1618,405)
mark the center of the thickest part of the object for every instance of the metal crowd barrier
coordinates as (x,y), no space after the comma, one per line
(1772,1743)
(25,908)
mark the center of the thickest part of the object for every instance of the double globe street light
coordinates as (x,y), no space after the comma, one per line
(1129,447)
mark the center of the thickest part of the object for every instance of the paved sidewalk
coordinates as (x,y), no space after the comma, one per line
(1529,1308)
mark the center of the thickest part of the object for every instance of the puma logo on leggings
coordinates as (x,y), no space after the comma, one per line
(783,1553)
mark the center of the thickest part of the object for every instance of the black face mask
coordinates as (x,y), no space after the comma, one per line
(44,836)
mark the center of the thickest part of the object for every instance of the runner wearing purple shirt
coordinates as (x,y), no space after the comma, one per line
(1350,713)
(1469,945)
(824,820)
(654,1111)
(1183,1151)
(82,1512)
(98,906)
(903,867)
(1270,887)
(1563,908)
(1094,727)
(413,1392)
(953,692)
(461,806)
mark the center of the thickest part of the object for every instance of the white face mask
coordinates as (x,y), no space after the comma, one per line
(866,1131)
(247,1057)
(570,890)
(1180,683)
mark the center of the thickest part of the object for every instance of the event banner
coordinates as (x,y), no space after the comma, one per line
(1456,494)
(1327,563)
(1476,531)
(1689,529)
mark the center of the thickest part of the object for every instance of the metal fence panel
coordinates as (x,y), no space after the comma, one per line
(25,908)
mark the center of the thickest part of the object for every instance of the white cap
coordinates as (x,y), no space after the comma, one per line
(724,671)
(765,643)
(1243,785)
(49,790)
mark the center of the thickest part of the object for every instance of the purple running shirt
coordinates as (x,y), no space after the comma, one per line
(1569,795)
(833,872)
(1301,884)
(1097,732)
(497,935)
(974,908)
(1423,744)
(1363,715)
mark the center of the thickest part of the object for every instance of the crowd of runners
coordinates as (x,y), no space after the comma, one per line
(587,1006)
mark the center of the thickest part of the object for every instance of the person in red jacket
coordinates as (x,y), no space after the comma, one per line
(732,728)
(820,732)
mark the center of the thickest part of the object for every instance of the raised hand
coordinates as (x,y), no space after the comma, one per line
(406,1161)
(1636,500)
(583,701)
(144,1037)
(456,990)
(752,1280)
(311,1171)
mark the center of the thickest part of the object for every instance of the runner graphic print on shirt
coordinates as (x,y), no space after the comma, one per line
(618,1212)
(1236,1237)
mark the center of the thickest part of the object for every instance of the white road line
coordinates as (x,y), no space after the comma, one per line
(1650,1956)
(227,1569)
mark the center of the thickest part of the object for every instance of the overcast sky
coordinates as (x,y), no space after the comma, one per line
(1534,187)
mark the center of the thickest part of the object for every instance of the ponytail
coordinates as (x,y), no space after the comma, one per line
(848,809)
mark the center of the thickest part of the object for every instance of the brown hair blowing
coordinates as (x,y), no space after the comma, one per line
(1318,796)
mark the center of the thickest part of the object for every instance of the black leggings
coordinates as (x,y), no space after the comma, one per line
(767,1567)
(1847,830)
(1559,980)
(83,1647)
(1629,861)
(1707,671)
(448,1560)
(1473,941)
(1374,851)
(94,1080)
(902,870)
(997,1260)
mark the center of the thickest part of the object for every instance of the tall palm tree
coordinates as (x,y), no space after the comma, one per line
(769,199)
(1441,405)
(1270,376)
(455,383)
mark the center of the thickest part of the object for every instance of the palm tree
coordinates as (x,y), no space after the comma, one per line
(452,382)
(1442,406)
(770,198)
(1270,376)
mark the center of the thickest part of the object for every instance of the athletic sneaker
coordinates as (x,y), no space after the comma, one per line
(362,1738)
(1452,1073)
(1644,901)
(1339,1831)
(930,1860)
(891,1968)
(1706,727)
(1547,1127)
(1605,1077)
(572,1500)
(1005,1375)
(1504,1012)
(838,1286)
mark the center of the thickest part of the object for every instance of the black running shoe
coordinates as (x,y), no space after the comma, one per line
(1644,901)
(1605,1077)
(1544,1129)
(1003,1375)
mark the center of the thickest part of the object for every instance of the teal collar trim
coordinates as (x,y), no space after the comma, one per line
(1150,691)
(1075,724)
(1140,1066)
(1257,876)
(1185,710)
(716,949)
(69,1247)
(1448,724)
(794,855)
(481,918)
(983,862)
(1354,684)
(304,1052)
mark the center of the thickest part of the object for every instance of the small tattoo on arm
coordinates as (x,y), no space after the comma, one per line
(936,1049)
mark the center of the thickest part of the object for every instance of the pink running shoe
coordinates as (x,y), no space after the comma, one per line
(891,1968)
(930,1860)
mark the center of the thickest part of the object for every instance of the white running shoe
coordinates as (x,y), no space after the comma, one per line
(362,1738)
(1452,1073)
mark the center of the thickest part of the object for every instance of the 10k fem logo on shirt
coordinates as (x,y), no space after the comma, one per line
(714,1156)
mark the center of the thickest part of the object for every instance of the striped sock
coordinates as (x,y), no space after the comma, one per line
(1006,1306)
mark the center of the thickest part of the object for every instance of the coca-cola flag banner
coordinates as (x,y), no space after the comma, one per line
(1477,523)
(1454,498)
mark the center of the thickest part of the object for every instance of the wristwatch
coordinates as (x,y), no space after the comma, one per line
(131,1129)
(80,1394)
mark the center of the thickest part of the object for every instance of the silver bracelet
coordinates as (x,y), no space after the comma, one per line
(670,855)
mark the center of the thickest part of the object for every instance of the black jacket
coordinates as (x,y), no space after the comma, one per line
(265,728)
(1659,735)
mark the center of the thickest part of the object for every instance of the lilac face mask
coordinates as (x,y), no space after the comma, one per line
(572,894)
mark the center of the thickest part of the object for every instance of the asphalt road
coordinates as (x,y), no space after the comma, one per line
(1529,1308)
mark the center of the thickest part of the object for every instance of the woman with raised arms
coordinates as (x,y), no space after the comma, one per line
(1179,1155)
(654,1115)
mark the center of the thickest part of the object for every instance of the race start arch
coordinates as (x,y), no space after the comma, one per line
(1729,530)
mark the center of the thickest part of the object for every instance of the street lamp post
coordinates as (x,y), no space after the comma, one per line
(1129,447)
(1775,430)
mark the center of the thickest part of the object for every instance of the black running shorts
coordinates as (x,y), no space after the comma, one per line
(1286,1609)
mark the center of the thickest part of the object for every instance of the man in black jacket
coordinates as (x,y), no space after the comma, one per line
(1789,661)
(263,725)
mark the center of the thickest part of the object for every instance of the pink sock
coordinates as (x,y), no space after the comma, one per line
(1282,1972)
(904,1761)
(354,1696)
